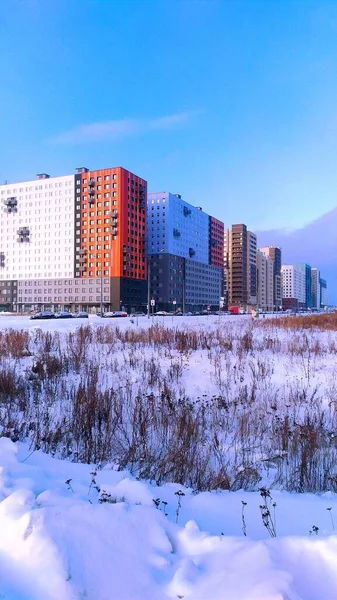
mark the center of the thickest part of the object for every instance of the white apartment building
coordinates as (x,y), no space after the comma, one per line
(265,281)
(37,229)
(293,283)
(275,253)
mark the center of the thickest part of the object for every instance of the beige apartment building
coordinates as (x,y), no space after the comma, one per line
(275,253)
(265,282)
(240,274)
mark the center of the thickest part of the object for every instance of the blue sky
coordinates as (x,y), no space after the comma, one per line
(231,104)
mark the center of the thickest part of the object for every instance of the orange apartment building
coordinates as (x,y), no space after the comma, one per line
(111,232)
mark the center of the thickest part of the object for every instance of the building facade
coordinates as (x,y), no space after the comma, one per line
(315,289)
(265,282)
(185,249)
(37,229)
(323,292)
(275,253)
(177,227)
(76,241)
(293,287)
(307,273)
(216,247)
(236,260)
(111,207)
(251,268)
(240,269)
(8,295)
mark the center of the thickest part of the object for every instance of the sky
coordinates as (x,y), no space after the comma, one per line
(232,104)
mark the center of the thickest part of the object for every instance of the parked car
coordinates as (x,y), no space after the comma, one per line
(45,314)
(161,313)
(138,314)
(116,313)
(64,315)
(81,315)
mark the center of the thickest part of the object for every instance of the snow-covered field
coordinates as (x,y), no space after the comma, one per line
(264,403)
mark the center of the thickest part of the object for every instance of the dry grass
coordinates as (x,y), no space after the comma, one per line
(107,395)
(322,322)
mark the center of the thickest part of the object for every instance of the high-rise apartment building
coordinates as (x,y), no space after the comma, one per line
(274,252)
(236,260)
(251,268)
(265,281)
(111,208)
(307,273)
(37,225)
(315,289)
(293,286)
(185,247)
(76,241)
(240,273)
(323,292)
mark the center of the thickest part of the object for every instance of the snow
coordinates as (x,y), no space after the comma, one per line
(59,541)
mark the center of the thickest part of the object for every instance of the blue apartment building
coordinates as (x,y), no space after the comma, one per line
(179,240)
(308,291)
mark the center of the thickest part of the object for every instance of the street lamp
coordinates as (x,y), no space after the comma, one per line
(183,273)
(148,256)
(148,285)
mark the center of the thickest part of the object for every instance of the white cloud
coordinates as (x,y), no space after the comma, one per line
(118,129)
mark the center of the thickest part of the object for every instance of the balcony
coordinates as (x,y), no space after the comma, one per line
(176,233)
(23,234)
(11,204)
(191,252)
(186,211)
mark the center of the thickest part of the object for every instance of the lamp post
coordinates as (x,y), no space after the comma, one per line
(148,286)
(149,281)
(184,275)
(182,272)
(101,303)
